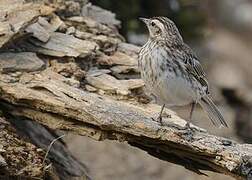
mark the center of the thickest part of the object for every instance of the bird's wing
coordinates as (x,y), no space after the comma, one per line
(194,67)
(196,70)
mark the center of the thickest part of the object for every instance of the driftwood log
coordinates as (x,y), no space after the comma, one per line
(73,72)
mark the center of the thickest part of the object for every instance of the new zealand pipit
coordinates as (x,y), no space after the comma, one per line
(172,72)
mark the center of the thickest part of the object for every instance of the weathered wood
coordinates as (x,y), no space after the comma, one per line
(60,106)
(61,45)
(42,28)
(110,83)
(87,51)
(15,16)
(117,58)
(22,62)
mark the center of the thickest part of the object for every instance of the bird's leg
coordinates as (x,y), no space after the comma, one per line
(190,116)
(160,114)
(159,117)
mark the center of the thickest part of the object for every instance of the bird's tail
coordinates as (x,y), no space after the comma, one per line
(212,111)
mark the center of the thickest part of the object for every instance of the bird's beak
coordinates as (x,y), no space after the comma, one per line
(145,20)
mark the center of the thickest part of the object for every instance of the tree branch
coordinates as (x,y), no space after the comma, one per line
(60,106)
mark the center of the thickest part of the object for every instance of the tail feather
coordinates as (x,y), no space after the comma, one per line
(213,113)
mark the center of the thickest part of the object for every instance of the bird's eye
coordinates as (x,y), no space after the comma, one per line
(152,24)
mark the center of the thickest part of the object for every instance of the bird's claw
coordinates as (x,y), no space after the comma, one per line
(160,119)
(187,126)
(187,132)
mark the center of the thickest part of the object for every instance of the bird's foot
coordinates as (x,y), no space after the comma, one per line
(187,131)
(160,119)
(188,128)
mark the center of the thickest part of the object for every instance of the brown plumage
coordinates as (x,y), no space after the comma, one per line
(172,72)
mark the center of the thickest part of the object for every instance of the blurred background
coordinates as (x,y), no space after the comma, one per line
(219,31)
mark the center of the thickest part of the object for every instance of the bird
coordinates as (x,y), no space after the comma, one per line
(172,72)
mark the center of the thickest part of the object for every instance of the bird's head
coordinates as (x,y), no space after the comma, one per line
(162,28)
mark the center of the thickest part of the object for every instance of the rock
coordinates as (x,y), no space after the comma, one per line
(24,61)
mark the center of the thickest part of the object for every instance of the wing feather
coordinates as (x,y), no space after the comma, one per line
(194,67)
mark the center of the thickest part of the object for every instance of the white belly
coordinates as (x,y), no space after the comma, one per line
(173,91)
